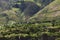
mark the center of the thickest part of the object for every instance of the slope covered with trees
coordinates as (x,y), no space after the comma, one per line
(29,19)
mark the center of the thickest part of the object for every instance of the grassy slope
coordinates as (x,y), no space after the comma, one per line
(13,12)
(52,10)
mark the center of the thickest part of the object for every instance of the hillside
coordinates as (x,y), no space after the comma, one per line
(18,11)
(29,19)
(50,12)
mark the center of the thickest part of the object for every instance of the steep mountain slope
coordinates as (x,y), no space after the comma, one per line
(14,14)
(29,8)
(50,12)
(17,11)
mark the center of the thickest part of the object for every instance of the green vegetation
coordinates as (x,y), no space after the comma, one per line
(30,20)
(28,31)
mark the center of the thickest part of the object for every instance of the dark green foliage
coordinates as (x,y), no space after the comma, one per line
(29,31)
(18,25)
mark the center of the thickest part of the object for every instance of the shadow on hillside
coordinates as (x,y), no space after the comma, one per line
(30,8)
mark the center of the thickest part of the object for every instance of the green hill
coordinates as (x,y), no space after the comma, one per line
(29,19)
(18,11)
(50,12)
(29,10)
